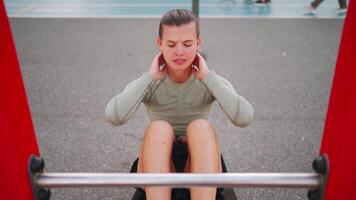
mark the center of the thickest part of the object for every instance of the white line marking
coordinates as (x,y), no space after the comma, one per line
(24,10)
(159,16)
(161,5)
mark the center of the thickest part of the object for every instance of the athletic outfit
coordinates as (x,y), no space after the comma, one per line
(179,104)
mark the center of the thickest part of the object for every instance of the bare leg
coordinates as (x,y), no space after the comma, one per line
(204,155)
(342,4)
(316,3)
(155,156)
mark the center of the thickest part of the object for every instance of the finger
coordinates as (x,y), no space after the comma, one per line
(161,67)
(195,67)
(158,54)
(199,55)
(156,59)
(202,61)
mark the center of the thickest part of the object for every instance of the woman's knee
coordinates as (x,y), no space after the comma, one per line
(159,131)
(200,128)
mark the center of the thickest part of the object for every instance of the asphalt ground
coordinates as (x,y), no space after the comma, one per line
(73,67)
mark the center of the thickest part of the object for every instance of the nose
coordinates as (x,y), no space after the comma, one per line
(179,50)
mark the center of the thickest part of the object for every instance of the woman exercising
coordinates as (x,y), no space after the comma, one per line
(178,92)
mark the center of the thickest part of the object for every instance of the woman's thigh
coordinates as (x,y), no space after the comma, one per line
(156,147)
(187,168)
(203,145)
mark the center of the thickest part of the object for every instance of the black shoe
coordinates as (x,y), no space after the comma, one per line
(262,2)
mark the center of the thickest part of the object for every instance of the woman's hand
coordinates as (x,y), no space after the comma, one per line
(202,69)
(156,70)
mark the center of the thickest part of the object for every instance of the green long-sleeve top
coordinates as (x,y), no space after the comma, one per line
(179,103)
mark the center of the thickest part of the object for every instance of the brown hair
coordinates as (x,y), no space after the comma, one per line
(178,17)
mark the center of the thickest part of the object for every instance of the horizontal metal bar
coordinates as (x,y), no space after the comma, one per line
(304,180)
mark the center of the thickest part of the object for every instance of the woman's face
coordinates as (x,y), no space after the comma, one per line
(179,45)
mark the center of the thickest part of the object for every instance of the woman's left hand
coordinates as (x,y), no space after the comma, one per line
(202,69)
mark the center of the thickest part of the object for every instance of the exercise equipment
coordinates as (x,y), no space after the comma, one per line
(339,136)
(17,137)
(25,181)
(41,182)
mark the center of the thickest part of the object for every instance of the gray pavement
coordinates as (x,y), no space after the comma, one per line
(72,67)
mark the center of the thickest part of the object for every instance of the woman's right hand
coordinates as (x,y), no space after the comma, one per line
(155,69)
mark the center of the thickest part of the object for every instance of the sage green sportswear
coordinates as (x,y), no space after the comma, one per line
(179,103)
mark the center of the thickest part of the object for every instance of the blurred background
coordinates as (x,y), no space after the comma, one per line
(156,8)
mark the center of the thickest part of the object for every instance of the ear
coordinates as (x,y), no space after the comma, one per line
(198,43)
(159,43)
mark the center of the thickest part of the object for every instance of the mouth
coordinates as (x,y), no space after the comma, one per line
(179,61)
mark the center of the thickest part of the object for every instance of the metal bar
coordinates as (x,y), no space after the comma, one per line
(303,180)
(195,7)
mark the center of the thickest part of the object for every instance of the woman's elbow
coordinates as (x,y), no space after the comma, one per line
(111,117)
(245,119)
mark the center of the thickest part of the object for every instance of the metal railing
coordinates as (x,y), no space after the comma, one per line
(41,182)
(304,180)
